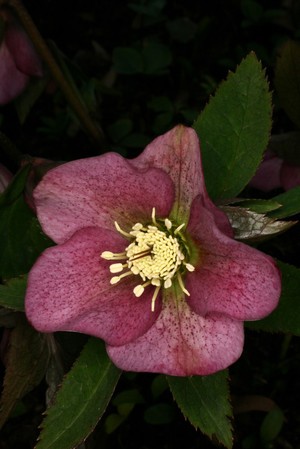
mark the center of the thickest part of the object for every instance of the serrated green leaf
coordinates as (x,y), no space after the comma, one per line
(27,360)
(12,293)
(286,317)
(287,79)
(81,400)
(289,202)
(204,401)
(234,129)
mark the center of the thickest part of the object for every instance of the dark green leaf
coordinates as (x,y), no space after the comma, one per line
(287,146)
(290,204)
(81,400)
(204,401)
(234,129)
(27,360)
(287,79)
(286,317)
(156,58)
(127,60)
(12,294)
(161,413)
(258,206)
(272,424)
(21,237)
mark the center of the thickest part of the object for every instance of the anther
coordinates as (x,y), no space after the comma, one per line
(117,267)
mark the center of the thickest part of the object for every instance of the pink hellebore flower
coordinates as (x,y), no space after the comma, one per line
(18,59)
(146,262)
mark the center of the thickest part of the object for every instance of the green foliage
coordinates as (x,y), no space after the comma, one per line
(152,59)
(271,425)
(285,317)
(234,129)
(287,80)
(12,293)
(290,204)
(204,401)
(21,237)
(81,400)
(161,413)
(26,362)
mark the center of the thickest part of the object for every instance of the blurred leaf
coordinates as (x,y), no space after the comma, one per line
(287,79)
(162,122)
(21,237)
(161,104)
(113,421)
(159,385)
(127,60)
(15,187)
(120,129)
(151,8)
(156,58)
(248,225)
(128,397)
(287,146)
(286,317)
(12,294)
(272,425)
(234,129)
(290,204)
(26,363)
(182,29)
(158,414)
(24,102)
(252,10)
(204,401)
(81,400)
(135,140)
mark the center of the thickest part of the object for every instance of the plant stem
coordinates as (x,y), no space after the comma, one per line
(91,128)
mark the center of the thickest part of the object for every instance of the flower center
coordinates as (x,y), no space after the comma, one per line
(157,254)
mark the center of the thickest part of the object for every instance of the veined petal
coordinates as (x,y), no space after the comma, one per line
(69,290)
(230,278)
(182,343)
(98,191)
(178,153)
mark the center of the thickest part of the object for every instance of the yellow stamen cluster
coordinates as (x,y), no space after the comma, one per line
(156,254)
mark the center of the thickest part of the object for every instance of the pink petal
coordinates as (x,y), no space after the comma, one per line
(230,278)
(182,343)
(98,191)
(12,81)
(290,176)
(69,290)
(22,50)
(178,153)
